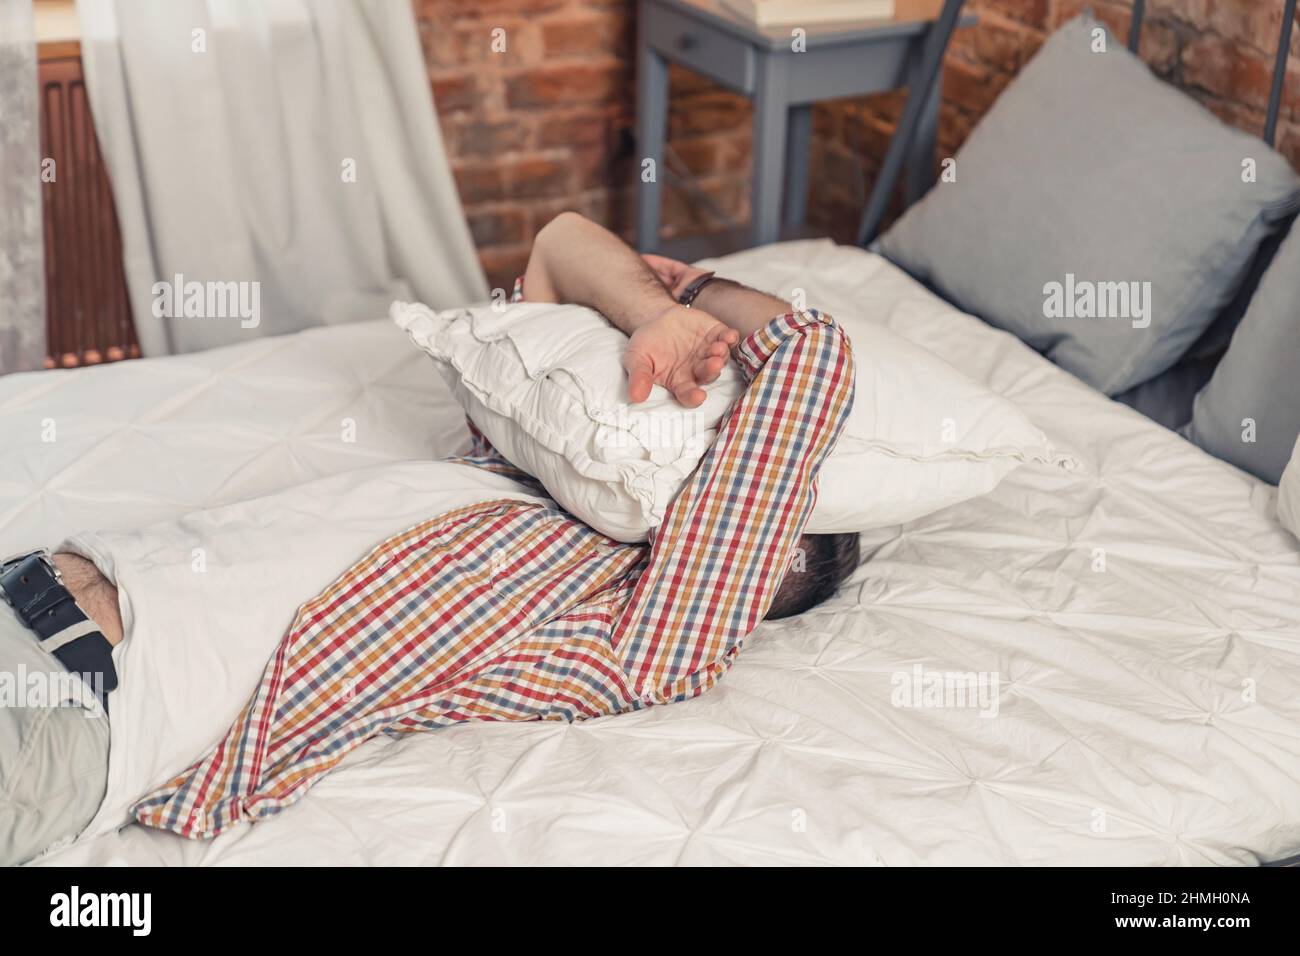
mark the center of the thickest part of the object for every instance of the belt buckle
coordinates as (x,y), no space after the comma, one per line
(11,564)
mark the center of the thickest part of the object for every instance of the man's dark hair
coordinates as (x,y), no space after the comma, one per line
(815,574)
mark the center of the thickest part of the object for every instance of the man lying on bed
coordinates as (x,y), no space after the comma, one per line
(499,610)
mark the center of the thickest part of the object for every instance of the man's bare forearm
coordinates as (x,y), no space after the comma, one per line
(575,260)
(740,307)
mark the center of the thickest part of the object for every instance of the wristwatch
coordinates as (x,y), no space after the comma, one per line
(690,293)
(33,587)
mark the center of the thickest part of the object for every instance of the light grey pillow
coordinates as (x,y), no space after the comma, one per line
(1168,397)
(1249,413)
(1288,494)
(1089,167)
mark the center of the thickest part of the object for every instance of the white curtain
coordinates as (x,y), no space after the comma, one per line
(288,146)
(22,248)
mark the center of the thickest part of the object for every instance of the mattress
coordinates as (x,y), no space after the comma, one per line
(1097,667)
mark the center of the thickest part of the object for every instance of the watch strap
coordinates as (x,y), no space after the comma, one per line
(32,586)
(692,291)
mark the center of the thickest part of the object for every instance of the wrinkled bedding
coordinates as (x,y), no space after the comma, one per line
(1092,667)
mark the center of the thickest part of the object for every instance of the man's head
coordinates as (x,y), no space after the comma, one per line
(820,565)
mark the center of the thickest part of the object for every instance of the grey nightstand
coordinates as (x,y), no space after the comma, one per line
(761,63)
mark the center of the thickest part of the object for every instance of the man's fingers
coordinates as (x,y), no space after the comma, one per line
(665,270)
(640,376)
(709,366)
(638,387)
(685,387)
(709,369)
(661,264)
(689,394)
(727,337)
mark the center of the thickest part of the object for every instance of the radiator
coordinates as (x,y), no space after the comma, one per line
(87,312)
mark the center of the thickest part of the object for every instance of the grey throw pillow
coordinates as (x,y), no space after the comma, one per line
(1098,213)
(1168,397)
(1288,494)
(1249,412)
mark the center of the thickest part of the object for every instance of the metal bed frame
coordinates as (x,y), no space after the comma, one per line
(936,44)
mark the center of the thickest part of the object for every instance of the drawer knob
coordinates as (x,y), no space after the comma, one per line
(688,41)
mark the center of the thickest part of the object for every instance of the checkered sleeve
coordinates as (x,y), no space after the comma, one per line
(718,558)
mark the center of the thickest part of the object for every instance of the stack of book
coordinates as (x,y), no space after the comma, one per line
(776,13)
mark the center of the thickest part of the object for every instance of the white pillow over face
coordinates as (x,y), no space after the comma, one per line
(545,384)
(1288,493)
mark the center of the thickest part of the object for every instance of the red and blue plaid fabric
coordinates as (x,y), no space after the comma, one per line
(514,611)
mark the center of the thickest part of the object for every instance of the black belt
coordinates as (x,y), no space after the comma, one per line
(32,585)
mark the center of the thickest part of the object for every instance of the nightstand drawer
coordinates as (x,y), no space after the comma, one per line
(725,58)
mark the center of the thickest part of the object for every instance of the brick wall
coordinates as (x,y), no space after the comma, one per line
(1219,51)
(546,123)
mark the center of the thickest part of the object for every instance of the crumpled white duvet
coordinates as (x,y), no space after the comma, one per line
(1138,622)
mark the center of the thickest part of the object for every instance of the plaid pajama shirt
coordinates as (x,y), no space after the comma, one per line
(510,610)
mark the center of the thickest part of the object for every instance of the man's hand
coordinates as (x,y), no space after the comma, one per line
(575,260)
(682,349)
(674,275)
(736,306)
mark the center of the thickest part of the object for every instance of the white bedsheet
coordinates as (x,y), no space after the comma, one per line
(1141,617)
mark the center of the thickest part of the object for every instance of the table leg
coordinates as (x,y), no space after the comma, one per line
(652,122)
(770,109)
(920,167)
(799,143)
(918,101)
